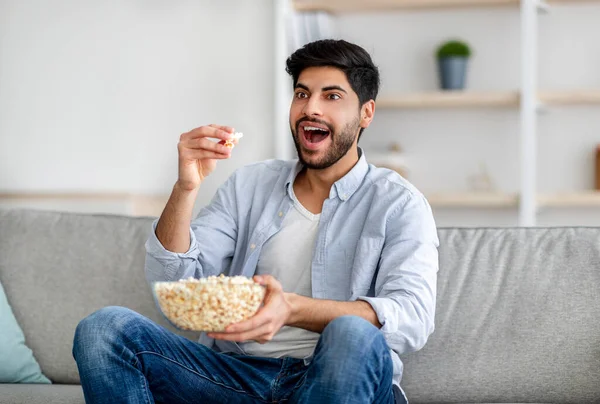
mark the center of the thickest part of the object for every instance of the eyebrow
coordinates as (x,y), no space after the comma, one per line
(328,88)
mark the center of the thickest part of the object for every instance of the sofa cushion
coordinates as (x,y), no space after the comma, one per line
(17,364)
(517,318)
(40,394)
(57,268)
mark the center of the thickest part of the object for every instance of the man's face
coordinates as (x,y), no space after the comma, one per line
(324,117)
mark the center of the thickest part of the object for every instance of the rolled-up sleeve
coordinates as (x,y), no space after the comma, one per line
(406,284)
(213,235)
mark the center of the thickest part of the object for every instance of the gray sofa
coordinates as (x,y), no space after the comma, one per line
(518,316)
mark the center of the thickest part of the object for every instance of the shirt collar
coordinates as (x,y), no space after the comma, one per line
(292,177)
(343,188)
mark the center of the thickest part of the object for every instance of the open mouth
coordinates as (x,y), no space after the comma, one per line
(313,133)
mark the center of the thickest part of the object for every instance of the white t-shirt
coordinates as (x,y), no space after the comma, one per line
(287,256)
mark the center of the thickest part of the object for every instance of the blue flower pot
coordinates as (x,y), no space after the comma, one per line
(452,72)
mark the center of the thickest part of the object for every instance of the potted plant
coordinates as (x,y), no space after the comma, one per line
(452,58)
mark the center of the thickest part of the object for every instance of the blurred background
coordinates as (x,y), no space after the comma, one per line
(490,107)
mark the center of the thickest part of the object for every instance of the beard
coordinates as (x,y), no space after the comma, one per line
(341,142)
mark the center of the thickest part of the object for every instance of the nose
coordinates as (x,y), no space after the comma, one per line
(312,107)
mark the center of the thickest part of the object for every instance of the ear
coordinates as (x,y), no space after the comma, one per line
(367,111)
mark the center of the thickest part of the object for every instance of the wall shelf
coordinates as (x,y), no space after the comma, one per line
(473,200)
(584,199)
(137,204)
(64,196)
(350,6)
(526,99)
(581,199)
(345,6)
(473,99)
(575,97)
(451,99)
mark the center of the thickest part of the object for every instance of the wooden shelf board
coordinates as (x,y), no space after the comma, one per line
(346,6)
(350,6)
(570,97)
(567,2)
(65,196)
(451,99)
(83,196)
(473,200)
(473,99)
(583,199)
(141,204)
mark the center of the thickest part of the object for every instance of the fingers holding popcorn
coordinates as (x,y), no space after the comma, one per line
(230,143)
(204,144)
(198,152)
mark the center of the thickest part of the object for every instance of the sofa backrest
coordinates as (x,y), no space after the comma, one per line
(518,318)
(57,268)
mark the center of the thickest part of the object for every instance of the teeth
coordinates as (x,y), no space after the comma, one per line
(314,128)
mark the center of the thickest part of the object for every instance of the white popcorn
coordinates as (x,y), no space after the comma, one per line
(209,304)
(236,136)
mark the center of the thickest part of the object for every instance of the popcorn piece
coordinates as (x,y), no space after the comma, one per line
(236,136)
(209,304)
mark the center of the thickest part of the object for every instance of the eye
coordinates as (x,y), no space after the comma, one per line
(334,97)
(301,95)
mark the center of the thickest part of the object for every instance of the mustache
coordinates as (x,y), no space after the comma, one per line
(307,119)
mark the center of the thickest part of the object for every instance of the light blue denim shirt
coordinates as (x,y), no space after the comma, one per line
(377,241)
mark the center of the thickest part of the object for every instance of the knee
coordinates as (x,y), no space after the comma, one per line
(355,347)
(102,328)
(354,335)
(111,319)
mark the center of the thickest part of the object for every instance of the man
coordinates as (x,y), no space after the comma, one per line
(347,251)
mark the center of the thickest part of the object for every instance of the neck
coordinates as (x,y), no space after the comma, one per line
(321,181)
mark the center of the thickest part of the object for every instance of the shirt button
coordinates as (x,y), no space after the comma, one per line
(252,246)
(280,214)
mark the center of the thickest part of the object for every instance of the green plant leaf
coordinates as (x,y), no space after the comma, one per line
(453,48)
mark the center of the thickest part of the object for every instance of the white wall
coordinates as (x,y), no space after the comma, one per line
(444,148)
(95,94)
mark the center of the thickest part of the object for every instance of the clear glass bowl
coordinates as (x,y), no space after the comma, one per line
(208,307)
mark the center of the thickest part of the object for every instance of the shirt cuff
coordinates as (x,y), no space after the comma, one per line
(381,306)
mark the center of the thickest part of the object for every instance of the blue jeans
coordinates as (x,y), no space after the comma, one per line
(123,357)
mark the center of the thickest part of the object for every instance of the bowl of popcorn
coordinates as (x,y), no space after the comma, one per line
(208,304)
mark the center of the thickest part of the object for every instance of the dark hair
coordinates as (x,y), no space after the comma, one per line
(353,60)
